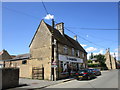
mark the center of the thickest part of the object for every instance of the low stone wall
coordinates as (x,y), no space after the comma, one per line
(9,77)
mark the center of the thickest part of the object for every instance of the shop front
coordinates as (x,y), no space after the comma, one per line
(68,65)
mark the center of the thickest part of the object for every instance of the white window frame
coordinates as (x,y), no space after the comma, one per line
(73,51)
(83,55)
(78,53)
(65,49)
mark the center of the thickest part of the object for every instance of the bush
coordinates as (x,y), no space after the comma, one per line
(93,65)
(89,61)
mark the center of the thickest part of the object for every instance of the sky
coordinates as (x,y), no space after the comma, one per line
(88,20)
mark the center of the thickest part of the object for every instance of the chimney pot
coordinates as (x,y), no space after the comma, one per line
(75,37)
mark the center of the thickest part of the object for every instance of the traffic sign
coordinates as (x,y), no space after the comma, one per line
(53,66)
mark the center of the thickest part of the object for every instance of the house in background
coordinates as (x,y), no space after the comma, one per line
(19,60)
(4,55)
(7,60)
(95,61)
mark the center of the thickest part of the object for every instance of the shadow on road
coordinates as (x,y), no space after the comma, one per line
(87,79)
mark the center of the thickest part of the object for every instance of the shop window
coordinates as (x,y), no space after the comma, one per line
(24,62)
(73,51)
(65,49)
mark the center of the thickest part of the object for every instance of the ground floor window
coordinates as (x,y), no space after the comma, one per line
(67,67)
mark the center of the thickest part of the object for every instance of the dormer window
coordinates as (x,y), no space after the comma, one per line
(65,49)
(73,51)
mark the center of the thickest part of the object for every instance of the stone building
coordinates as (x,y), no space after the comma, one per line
(7,60)
(18,60)
(110,60)
(54,51)
(4,55)
(53,54)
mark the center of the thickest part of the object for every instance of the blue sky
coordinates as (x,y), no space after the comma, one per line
(20,21)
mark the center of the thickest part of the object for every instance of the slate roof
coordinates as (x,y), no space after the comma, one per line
(27,55)
(65,39)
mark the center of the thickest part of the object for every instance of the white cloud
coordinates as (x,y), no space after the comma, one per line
(116,49)
(83,45)
(86,35)
(97,53)
(116,54)
(49,16)
(91,49)
(101,51)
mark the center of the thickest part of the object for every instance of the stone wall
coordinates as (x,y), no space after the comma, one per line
(40,50)
(113,62)
(26,71)
(108,62)
(9,77)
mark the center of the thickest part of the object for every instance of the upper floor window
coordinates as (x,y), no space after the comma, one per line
(83,55)
(78,53)
(65,49)
(73,51)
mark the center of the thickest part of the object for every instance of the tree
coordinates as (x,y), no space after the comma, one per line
(89,61)
(101,59)
(92,56)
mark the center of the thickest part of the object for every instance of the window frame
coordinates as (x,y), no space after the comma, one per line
(65,49)
(73,51)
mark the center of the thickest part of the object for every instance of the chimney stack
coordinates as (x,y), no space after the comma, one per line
(75,37)
(53,23)
(108,50)
(60,27)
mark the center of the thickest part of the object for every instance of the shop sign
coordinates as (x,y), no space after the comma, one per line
(70,59)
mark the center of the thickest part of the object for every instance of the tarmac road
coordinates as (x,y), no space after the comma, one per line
(108,79)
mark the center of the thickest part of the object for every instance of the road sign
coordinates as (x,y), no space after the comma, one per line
(53,66)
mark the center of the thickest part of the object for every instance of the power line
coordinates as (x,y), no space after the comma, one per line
(83,38)
(44,7)
(92,28)
(56,22)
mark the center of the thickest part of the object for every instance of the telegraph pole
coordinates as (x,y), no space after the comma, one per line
(52,68)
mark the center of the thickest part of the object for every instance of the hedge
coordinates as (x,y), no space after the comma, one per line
(93,65)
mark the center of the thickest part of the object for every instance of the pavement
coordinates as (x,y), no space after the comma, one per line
(31,84)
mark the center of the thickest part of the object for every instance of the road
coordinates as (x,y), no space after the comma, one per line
(108,79)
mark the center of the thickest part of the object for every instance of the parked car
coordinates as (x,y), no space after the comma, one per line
(85,74)
(96,71)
